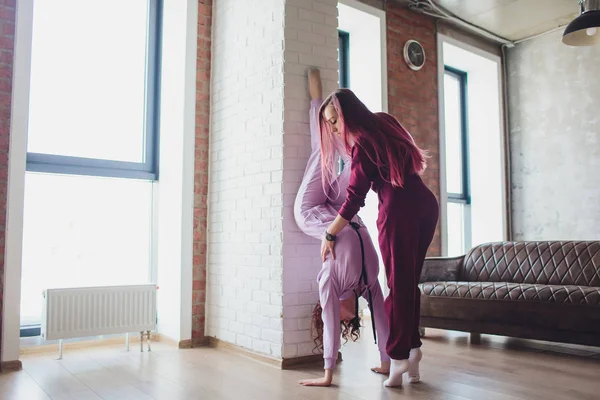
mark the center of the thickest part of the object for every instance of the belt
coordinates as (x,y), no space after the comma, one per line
(363,277)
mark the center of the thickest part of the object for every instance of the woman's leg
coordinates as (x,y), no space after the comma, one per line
(427,232)
(397,249)
(381,327)
(311,211)
(404,246)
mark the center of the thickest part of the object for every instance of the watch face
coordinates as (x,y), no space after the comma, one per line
(416,55)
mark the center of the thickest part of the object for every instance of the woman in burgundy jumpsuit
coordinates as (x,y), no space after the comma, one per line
(386,159)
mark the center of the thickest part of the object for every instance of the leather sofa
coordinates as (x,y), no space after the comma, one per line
(534,290)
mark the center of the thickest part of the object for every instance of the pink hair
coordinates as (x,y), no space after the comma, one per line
(386,142)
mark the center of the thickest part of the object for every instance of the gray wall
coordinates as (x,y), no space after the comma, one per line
(554,111)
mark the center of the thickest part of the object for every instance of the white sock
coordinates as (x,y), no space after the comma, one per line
(397,368)
(413,365)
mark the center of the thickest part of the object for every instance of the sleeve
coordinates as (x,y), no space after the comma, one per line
(313,116)
(362,174)
(330,303)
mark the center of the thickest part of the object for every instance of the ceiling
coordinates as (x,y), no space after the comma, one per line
(514,19)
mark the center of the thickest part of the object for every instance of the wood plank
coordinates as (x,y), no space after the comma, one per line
(452,368)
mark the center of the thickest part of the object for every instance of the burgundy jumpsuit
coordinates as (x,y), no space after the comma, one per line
(406,223)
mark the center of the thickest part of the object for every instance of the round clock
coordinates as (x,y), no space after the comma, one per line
(414,55)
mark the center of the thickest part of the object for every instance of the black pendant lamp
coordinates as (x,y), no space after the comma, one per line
(585,29)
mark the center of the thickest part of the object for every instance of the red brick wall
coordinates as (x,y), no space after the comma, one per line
(7,41)
(413,95)
(201,167)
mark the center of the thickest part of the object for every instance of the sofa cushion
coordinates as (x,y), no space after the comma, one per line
(563,294)
(550,263)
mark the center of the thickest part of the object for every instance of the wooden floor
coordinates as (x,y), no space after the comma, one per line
(451,369)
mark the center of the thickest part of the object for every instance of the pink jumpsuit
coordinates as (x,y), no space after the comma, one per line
(338,279)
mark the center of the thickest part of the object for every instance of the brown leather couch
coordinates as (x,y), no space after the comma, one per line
(534,290)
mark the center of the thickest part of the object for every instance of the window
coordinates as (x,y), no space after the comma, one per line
(457,163)
(344,46)
(82,231)
(344,54)
(92,147)
(93,97)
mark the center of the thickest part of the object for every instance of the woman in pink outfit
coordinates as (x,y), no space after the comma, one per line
(352,271)
(386,159)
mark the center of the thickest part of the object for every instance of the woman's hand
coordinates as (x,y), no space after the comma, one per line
(327,246)
(325,381)
(334,229)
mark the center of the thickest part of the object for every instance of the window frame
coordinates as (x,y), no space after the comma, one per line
(31,331)
(344,54)
(464,197)
(148,168)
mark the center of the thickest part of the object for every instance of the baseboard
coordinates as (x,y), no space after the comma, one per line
(262,358)
(11,366)
(296,362)
(201,342)
(285,363)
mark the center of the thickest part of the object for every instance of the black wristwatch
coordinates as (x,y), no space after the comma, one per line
(329,237)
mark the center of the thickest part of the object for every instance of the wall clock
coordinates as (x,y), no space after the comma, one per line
(414,55)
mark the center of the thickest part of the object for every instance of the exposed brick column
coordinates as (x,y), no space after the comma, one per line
(201,167)
(7,46)
(413,95)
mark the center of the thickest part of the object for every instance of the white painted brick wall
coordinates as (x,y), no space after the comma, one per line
(311,39)
(260,265)
(245,242)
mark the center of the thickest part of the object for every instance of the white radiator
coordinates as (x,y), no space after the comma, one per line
(94,311)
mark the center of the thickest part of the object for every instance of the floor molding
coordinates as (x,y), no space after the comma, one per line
(201,342)
(295,362)
(11,366)
(262,358)
(285,363)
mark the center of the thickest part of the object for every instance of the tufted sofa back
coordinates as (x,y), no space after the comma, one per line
(550,263)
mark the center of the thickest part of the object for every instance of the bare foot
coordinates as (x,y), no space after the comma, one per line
(384,369)
(315,87)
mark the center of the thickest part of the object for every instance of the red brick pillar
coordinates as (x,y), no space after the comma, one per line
(413,95)
(201,167)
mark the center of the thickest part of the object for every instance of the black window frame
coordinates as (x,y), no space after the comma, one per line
(465,196)
(145,170)
(344,54)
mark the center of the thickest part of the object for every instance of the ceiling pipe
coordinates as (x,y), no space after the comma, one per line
(427,6)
